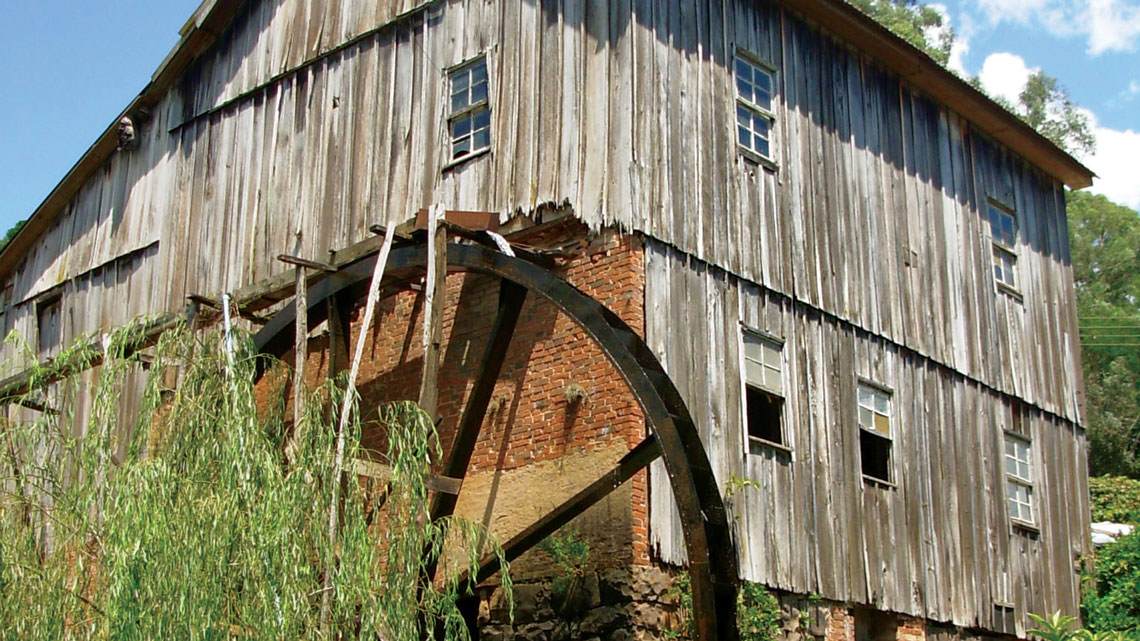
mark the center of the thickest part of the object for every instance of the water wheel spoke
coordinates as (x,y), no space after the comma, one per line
(633,462)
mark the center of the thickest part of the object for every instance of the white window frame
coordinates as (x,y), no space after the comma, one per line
(1021,512)
(469,112)
(770,381)
(1008,280)
(876,391)
(754,109)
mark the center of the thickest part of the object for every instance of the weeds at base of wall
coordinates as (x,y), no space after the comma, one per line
(757,611)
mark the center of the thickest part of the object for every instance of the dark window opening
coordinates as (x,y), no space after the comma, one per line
(48,334)
(874,625)
(875,454)
(764,412)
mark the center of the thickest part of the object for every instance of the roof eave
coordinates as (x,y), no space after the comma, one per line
(913,65)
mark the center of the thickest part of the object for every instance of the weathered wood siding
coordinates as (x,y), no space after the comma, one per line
(312,120)
(940,543)
(622,109)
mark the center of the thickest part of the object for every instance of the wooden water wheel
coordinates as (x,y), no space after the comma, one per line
(672,433)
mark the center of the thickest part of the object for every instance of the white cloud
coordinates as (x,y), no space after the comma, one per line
(1114,162)
(1011,10)
(1107,25)
(1113,26)
(1005,74)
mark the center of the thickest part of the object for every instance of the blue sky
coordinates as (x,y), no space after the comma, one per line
(70,67)
(1091,46)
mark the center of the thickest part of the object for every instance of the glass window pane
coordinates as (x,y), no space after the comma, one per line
(458,101)
(882,424)
(461,127)
(763,98)
(482,138)
(882,403)
(1009,447)
(763,80)
(482,119)
(743,136)
(459,83)
(866,397)
(743,70)
(479,71)
(743,89)
(1010,466)
(478,92)
(1023,470)
(865,418)
(460,147)
(743,116)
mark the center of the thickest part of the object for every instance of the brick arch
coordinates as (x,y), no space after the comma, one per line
(673,433)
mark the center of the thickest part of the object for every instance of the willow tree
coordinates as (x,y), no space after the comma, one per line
(183,521)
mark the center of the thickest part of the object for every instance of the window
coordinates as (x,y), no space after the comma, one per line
(1003,233)
(763,391)
(1018,478)
(875,432)
(48,331)
(470,119)
(754,118)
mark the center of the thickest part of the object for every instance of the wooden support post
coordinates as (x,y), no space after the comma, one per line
(300,355)
(435,295)
(342,425)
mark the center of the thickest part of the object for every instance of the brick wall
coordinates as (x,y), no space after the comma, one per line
(560,414)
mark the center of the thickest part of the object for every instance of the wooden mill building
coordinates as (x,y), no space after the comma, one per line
(852,266)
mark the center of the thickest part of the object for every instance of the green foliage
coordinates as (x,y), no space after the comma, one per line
(569,551)
(918,24)
(571,554)
(1113,602)
(1115,498)
(1048,109)
(1060,627)
(11,233)
(1104,240)
(183,522)
(757,611)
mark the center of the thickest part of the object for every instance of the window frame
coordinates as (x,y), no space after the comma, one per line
(767,113)
(51,298)
(878,388)
(999,247)
(1015,479)
(766,339)
(469,111)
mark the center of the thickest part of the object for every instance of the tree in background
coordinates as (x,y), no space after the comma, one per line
(1105,246)
(1048,109)
(919,24)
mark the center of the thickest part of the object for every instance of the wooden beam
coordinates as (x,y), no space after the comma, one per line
(435,295)
(304,262)
(382,472)
(633,462)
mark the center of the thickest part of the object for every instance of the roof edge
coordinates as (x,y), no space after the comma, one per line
(849,24)
(200,31)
